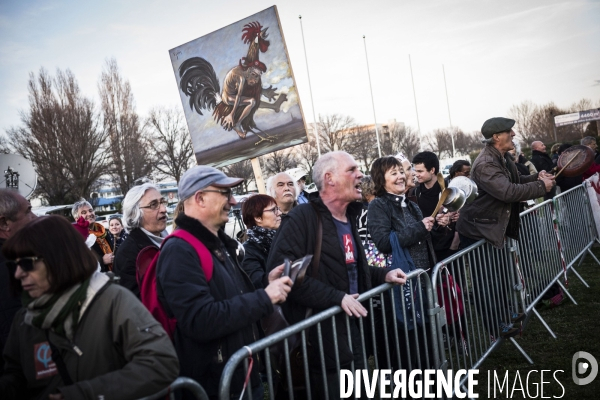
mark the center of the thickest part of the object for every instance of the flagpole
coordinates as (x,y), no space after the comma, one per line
(372,100)
(449,119)
(416,109)
(312,103)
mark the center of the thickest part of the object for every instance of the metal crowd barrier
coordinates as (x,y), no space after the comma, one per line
(469,299)
(575,226)
(383,342)
(479,290)
(180,383)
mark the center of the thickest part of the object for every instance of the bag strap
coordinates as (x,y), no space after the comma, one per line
(203,253)
(60,363)
(319,241)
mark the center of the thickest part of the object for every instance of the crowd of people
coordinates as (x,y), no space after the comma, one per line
(73,326)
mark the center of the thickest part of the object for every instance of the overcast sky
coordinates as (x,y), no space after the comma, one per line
(495,53)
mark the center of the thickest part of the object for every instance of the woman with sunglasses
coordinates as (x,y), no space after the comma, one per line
(262,218)
(77,336)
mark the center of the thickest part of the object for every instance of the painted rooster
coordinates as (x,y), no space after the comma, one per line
(235,105)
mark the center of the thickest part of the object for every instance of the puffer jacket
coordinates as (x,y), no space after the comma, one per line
(123,352)
(542,161)
(295,238)
(500,190)
(216,318)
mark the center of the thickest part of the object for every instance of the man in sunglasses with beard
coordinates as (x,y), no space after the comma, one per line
(15,212)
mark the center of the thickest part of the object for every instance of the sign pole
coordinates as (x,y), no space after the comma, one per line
(260,182)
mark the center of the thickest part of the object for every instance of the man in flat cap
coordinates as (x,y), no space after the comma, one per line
(216,315)
(494,214)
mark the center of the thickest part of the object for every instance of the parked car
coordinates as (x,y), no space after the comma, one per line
(446,170)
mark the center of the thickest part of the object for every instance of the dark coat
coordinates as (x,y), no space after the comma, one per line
(125,353)
(386,215)
(214,319)
(9,303)
(294,239)
(255,263)
(500,190)
(124,265)
(542,161)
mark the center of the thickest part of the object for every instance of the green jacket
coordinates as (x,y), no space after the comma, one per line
(500,189)
(125,353)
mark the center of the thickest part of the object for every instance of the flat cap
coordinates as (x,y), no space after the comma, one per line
(496,125)
(202,176)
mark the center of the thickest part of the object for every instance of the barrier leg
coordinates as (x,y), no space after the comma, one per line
(566,292)
(514,342)
(580,278)
(537,314)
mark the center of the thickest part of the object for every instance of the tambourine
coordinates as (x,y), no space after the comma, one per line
(575,160)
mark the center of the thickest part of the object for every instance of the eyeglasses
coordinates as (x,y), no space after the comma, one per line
(226,192)
(27,264)
(275,210)
(155,204)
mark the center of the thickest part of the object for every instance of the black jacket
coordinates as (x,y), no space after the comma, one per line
(295,238)
(124,265)
(216,318)
(9,303)
(542,161)
(255,263)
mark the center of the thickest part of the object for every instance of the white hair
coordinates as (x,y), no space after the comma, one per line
(326,163)
(271,187)
(79,204)
(132,213)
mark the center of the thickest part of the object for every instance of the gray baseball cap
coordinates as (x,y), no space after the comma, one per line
(202,176)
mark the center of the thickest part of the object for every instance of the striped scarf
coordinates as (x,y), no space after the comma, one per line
(59,312)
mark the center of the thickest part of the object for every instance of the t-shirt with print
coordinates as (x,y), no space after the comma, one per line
(344,231)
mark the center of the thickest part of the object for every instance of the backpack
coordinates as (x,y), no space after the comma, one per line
(146,263)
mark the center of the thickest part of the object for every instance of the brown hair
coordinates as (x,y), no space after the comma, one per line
(68,260)
(253,208)
(378,170)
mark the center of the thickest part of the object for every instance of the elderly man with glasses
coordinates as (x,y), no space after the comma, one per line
(218,314)
(145,217)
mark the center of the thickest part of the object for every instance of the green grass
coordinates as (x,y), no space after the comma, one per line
(577,328)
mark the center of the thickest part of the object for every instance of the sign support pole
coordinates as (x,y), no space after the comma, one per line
(260,182)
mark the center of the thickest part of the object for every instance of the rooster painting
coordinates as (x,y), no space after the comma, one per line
(235,104)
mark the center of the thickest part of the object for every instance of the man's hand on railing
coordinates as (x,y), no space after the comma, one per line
(352,307)
(396,276)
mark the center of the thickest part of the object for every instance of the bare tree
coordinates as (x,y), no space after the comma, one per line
(440,142)
(362,145)
(404,139)
(171,142)
(243,170)
(61,137)
(524,115)
(333,131)
(4,147)
(128,144)
(307,155)
(278,161)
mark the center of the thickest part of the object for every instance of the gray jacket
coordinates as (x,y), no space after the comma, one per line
(124,353)
(501,188)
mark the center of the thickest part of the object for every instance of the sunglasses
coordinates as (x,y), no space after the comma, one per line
(27,264)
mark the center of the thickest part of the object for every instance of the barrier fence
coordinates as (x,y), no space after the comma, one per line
(451,319)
